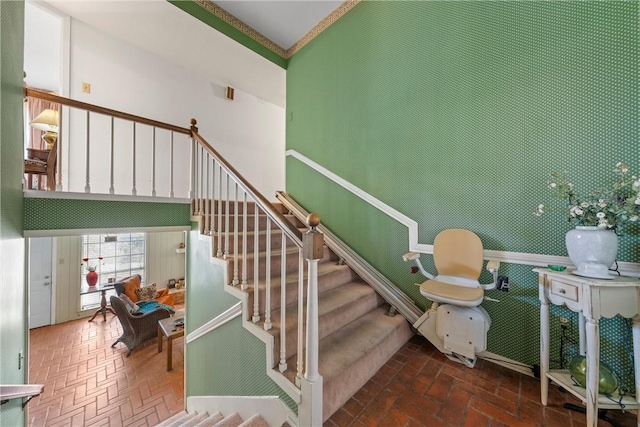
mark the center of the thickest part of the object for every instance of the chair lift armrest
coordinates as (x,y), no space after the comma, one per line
(492,267)
(415,256)
(410,256)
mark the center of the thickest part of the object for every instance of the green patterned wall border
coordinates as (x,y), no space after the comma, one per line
(64,214)
(455,119)
(198,11)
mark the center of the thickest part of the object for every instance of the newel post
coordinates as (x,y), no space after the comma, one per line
(311,384)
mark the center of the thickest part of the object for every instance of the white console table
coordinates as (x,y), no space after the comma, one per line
(593,299)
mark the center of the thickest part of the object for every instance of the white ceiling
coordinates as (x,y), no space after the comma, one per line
(159,27)
(283,22)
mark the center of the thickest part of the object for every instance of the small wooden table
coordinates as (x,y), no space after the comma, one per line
(102,288)
(169,329)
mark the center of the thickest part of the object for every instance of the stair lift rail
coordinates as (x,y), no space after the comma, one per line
(224,199)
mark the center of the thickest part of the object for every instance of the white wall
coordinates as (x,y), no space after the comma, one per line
(248,131)
(163,263)
(42,48)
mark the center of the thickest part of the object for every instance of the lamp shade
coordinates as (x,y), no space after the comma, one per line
(46,121)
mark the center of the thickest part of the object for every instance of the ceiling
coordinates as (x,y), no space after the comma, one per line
(158,26)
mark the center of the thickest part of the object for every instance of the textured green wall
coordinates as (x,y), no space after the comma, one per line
(234,360)
(67,214)
(13,315)
(454,113)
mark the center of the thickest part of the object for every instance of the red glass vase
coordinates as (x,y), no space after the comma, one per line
(92,278)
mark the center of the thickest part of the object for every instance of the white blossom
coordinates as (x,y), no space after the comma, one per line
(600,215)
(552,185)
(584,204)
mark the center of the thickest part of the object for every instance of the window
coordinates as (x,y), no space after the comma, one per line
(122,255)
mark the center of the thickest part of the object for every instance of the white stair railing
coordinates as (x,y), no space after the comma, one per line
(106,147)
(232,200)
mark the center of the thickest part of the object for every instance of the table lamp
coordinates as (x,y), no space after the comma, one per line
(47,121)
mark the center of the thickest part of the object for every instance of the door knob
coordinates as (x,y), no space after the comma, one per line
(46,283)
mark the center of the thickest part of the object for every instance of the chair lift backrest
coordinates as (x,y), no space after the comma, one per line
(458,252)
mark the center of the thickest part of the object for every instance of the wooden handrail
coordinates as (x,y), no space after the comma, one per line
(260,200)
(102,110)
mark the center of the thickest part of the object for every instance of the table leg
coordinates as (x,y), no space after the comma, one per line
(544,351)
(103,304)
(636,359)
(593,370)
(159,339)
(169,354)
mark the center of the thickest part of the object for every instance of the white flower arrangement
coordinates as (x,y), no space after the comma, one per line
(605,208)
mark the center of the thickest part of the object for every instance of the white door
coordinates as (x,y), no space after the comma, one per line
(40,281)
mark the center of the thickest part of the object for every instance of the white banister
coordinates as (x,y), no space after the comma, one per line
(171,159)
(112,161)
(256,270)
(87,187)
(245,229)
(300,354)
(283,304)
(226,216)
(134,191)
(219,213)
(267,278)
(207,206)
(235,235)
(153,163)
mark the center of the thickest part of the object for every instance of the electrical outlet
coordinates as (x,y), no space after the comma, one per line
(502,283)
(86,87)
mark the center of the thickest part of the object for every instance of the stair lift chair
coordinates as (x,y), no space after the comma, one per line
(455,323)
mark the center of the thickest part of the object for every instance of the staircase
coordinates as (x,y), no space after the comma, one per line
(356,336)
(203,419)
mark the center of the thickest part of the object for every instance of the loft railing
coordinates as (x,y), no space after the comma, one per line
(105,151)
(224,199)
(20,391)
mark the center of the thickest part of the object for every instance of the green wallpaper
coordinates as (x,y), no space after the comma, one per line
(454,113)
(235,359)
(65,214)
(13,316)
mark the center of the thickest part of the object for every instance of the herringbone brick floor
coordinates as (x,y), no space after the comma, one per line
(88,383)
(418,386)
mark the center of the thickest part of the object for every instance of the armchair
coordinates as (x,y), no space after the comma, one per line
(129,285)
(43,162)
(136,329)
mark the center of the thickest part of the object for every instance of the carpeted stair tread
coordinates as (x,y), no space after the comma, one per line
(211,420)
(197,419)
(255,421)
(231,420)
(336,307)
(349,357)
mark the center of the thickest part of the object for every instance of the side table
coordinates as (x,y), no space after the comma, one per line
(168,328)
(102,288)
(593,299)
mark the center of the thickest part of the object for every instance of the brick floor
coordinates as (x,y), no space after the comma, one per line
(421,387)
(88,383)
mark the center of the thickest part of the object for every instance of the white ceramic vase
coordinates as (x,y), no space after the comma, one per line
(592,250)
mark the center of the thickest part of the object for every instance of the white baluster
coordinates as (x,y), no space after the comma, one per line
(267,301)
(207,220)
(192,181)
(219,213)
(87,187)
(153,163)
(235,235)
(300,355)
(256,269)
(171,194)
(245,229)
(226,217)
(200,181)
(134,191)
(111,188)
(283,304)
